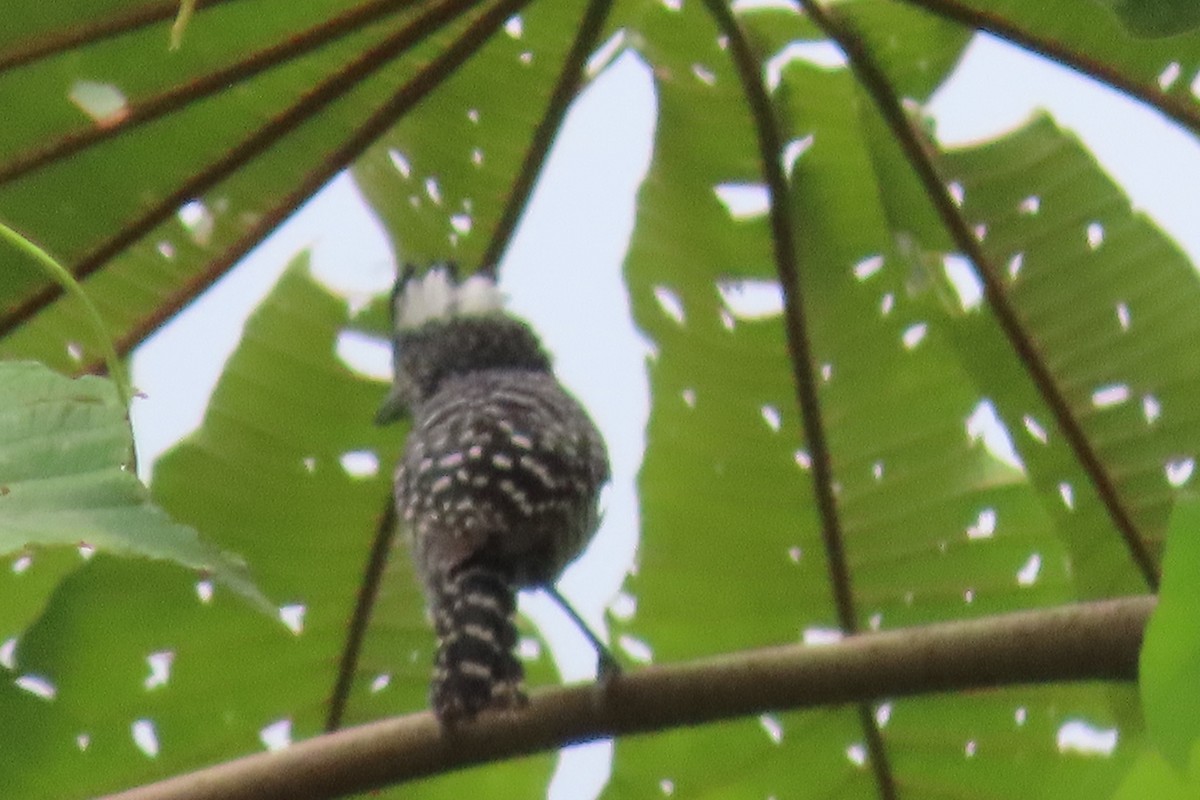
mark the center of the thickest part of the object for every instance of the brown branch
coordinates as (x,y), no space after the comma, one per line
(107,27)
(770,147)
(309,105)
(368,591)
(569,81)
(1181,109)
(147,109)
(1088,642)
(920,157)
(409,95)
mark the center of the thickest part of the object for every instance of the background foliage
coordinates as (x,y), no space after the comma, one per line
(1020,284)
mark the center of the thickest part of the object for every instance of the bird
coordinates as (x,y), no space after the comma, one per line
(497,487)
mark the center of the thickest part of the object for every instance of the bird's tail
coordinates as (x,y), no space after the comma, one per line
(476,667)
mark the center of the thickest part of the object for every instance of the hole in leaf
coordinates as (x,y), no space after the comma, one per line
(160,669)
(883,714)
(145,737)
(1067,493)
(803,459)
(277,735)
(772,417)
(433,191)
(689,397)
(704,74)
(368,356)
(743,200)
(1027,575)
(636,649)
(984,526)
(670,303)
(204,591)
(856,754)
(957,193)
(914,334)
(1014,265)
(1167,78)
(401,163)
(38,686)
(529,649)
(1179,471)
(751,299)
(292,616)
(82,741)
(515,26)
(1035,429)
(198,220)
(8,653)
(1095,235)
(868,267)
(1030,205)
(1078,736)
(1151,409)
(962,277)
(105,103)
(793,150)
(816,635)
(969,748)
(1108,396)
(380,682)
(623,606)
(1020,716)
(772,726)
(21,564)
(887,304)
(1123,318)
(795,554)
(360,464)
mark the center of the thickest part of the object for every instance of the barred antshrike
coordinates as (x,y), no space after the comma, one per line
(498,482)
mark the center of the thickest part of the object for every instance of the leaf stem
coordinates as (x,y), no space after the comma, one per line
(1086,642)
(62,276)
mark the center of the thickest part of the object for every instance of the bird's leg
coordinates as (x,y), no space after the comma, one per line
(607,665)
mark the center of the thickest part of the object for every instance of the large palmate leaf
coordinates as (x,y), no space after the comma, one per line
(65,486)
(970,390)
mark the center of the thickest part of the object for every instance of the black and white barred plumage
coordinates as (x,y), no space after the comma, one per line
(498,483)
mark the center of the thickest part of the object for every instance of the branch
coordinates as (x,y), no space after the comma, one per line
(1180,109)
(920,157)
(1085,642)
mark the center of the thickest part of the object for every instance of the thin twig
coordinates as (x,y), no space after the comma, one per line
(569,80)
(1088,642)
(108,26)
(368,591)
(770,146)
(141,111)
(920,156)
(1181,109)
(308,106)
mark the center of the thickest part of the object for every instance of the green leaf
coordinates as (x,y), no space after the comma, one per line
(63,482)
(1171,655)
(1155,18)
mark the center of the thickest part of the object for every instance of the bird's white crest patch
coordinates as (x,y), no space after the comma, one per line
(435,295)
